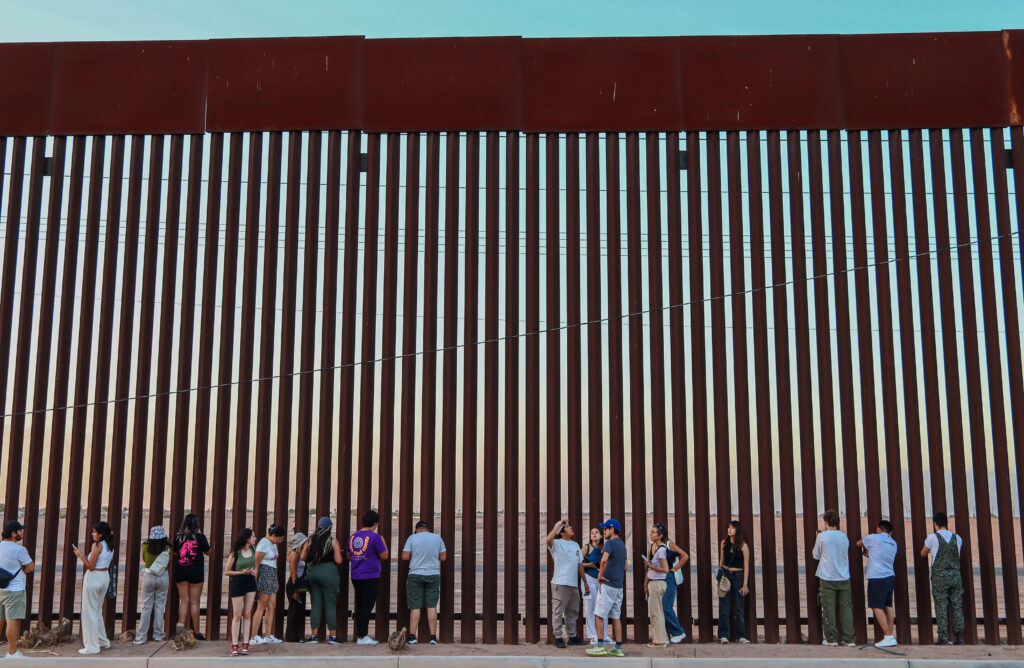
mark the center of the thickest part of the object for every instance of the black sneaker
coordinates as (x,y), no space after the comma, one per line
(433,640)
(576,642)
(959,640)
(411,639)
(559,643)
(199,636)
(312,639)
(333,640)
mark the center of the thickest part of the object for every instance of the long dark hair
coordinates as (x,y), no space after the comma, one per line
(737,540)
(241,540)
(319,546)
(157,546)
(590,541)
(106,535)
(189,526)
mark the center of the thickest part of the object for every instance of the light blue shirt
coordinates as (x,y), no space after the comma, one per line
(425,550)
(832,550)
(882,551)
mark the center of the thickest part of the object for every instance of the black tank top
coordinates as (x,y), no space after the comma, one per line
(730,558)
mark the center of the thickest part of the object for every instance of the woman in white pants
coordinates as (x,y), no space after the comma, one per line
(156,555)
(94,589)
(591,566)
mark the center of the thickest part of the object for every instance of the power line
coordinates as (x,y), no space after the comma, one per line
(523,335)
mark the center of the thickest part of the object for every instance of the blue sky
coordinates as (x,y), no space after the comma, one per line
(60,20)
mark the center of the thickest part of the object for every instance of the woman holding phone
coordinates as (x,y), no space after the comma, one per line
(656,561)
(241,572)
(94,588)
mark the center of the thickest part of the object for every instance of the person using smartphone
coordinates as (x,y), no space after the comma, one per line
(241,572)
(94,588)
(14,558)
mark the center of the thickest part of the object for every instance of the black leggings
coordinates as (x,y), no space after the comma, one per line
(366,598)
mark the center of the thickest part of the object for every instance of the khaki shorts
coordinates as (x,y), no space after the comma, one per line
(12,604)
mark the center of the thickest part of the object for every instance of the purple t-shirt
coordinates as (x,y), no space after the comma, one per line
(364,550)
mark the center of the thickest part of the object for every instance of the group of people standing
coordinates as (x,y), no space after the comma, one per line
(599,570)
(594,574)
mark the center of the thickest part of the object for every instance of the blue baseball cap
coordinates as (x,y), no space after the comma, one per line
(612,524)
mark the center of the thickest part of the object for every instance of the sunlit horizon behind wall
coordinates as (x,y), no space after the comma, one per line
(387,284)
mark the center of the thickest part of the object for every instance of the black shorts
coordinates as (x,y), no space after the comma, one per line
(192,574)
(240,585)
(880,592)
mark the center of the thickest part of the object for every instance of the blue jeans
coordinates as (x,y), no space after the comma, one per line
(668,602)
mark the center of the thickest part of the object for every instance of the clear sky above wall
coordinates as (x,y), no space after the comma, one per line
(64,20)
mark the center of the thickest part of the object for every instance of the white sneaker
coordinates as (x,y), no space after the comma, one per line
(678,639)
(257,640)
(81,651)
(725,641)
(17,655)
(743,641)
(273,640)
(593,641)
(829,644)
(366,640)
(887,641)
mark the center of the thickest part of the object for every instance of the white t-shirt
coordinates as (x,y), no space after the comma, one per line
(882,550)
(12,557)
(932,543)
(568,557)
(832,549)
(659,559)
(269,550)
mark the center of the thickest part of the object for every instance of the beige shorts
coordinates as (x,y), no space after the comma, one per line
(12,604)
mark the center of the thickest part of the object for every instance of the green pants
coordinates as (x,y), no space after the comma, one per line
(835,603)
(324,584)
(948,592)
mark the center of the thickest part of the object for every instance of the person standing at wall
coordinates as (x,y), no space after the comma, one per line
(14,559)
(296,588)
(612,576)
(266,585)
(734,559)
(592,552)
(156,557)
(424,551)
(654,584)
(94,588)
(880,550)
(366,551)
(241,572)
(190,544)
(832,550)
(947,588)
(565,582)
(677,558)
(322,555)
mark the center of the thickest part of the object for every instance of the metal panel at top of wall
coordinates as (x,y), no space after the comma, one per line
(1013,42)
(595,84)
(128,87)
(928,80)
(464,83)
(25,68)
(308,83)
(761,82)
